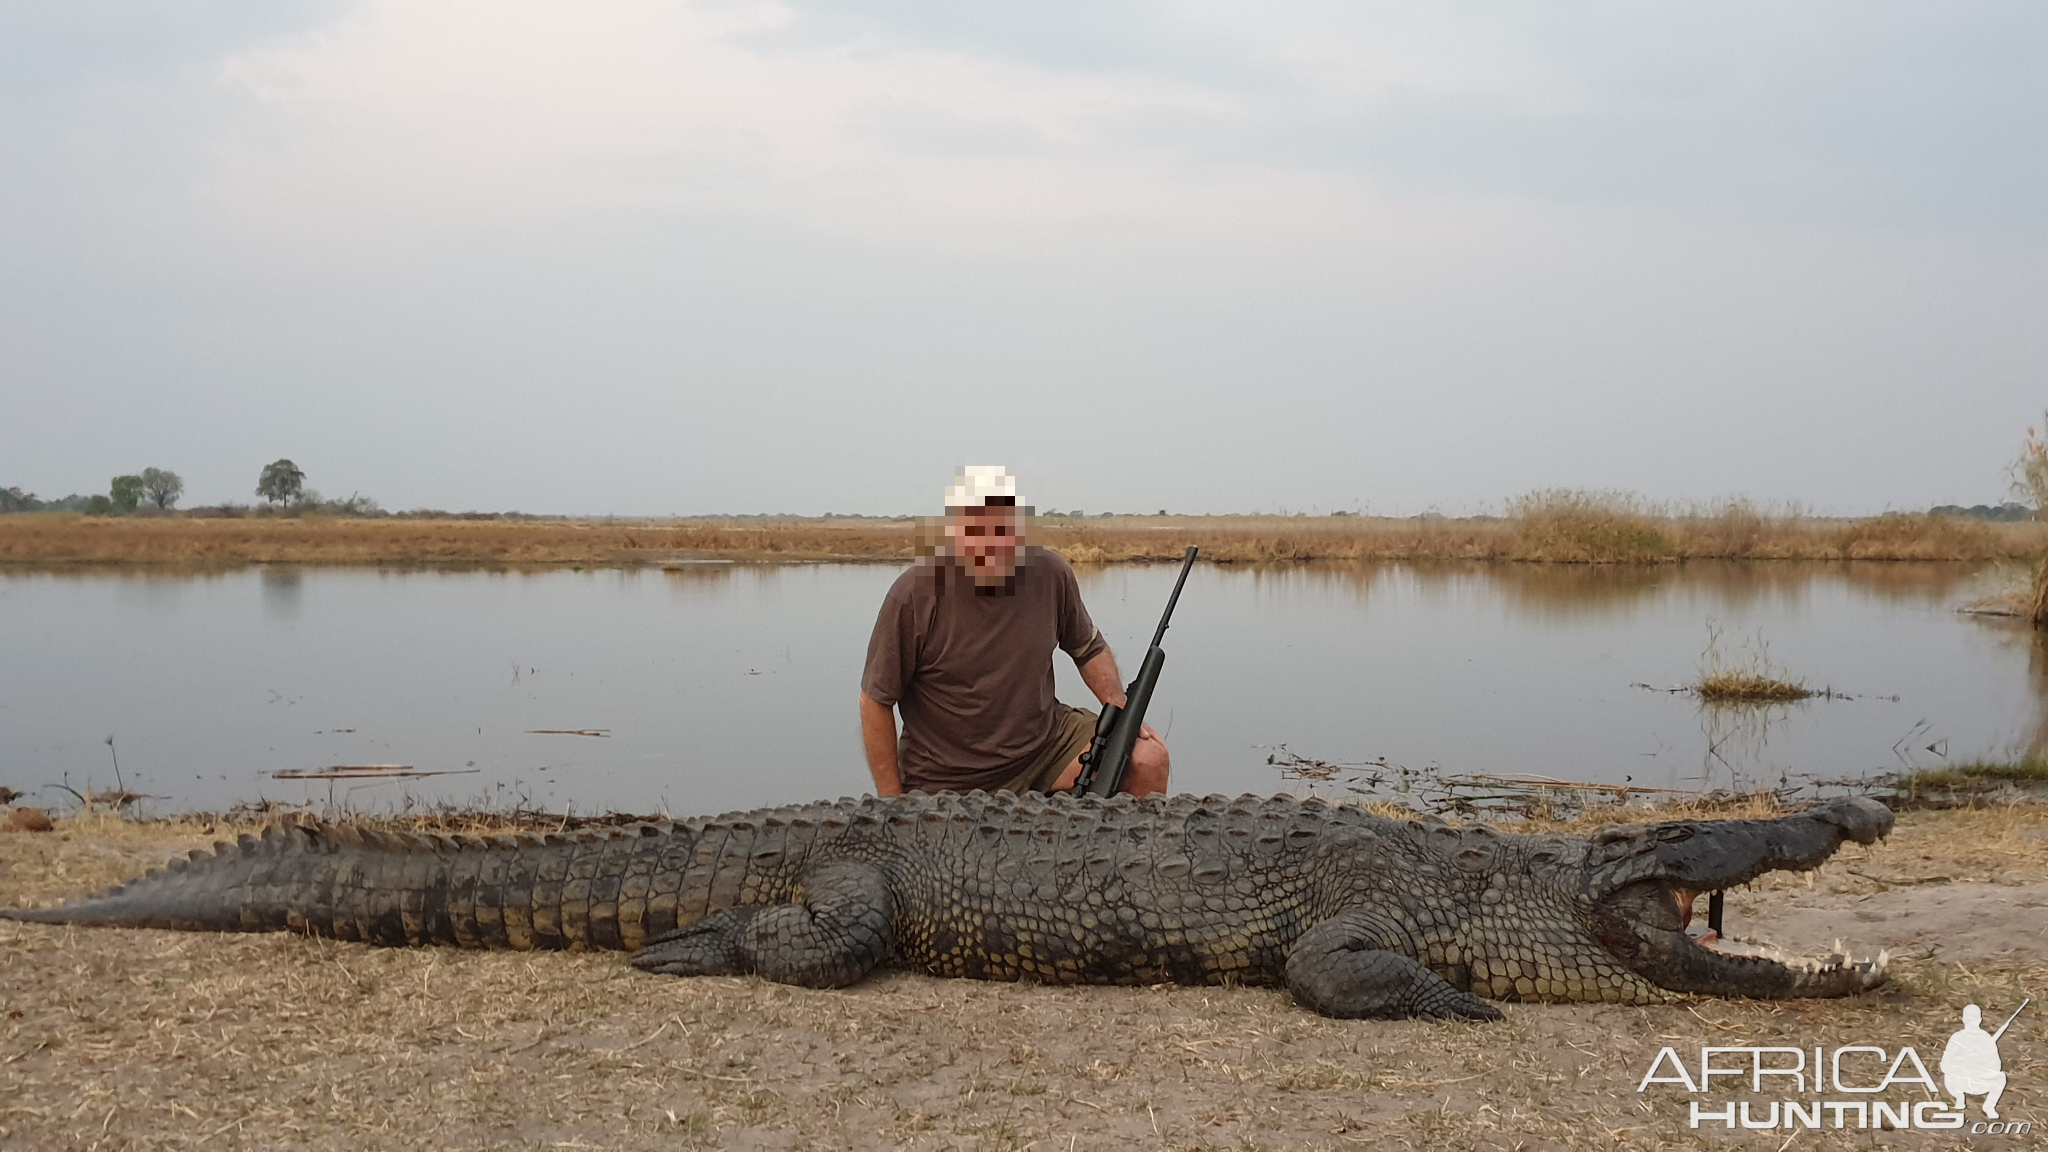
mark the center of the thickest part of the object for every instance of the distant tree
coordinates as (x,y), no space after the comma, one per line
(97,505)
(15,500)
(163,488)
(125,493)
(281,482)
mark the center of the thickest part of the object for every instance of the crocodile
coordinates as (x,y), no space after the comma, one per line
(1358,915)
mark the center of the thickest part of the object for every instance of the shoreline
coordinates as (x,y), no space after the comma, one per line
(58,541)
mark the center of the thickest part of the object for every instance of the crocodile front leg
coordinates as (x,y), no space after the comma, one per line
(842,926)
(1341,968)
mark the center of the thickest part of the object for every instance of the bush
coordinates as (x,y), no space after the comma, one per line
(1916,536)
(1577,526)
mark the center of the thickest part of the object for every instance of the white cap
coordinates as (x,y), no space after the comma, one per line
(979,483)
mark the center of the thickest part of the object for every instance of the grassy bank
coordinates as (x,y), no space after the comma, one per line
(1552,528)
(117,1039)
(1972,782)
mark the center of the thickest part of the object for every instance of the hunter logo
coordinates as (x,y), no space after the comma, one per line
(1853,1086)
(1970,1066)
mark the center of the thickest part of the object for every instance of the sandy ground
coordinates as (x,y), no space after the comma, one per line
(122,1039)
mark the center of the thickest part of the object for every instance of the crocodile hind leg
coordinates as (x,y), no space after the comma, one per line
(1339,968)
(842,925)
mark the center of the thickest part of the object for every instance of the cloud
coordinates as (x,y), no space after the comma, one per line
(473,114)
(622,254)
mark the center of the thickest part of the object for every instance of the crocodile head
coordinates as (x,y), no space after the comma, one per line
(1642,883)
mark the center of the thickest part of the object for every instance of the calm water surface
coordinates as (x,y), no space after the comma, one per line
(732,686)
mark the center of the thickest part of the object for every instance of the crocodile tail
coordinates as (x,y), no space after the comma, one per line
(595,889)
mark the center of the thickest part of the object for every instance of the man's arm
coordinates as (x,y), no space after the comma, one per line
(878,737)
(1102,678)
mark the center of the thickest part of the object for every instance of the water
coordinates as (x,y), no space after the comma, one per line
(728,686)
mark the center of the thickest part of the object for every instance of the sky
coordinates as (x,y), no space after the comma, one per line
(647,258)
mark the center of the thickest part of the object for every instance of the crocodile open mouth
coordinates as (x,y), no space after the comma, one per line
(1766,965)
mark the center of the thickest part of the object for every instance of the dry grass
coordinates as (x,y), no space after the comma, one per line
(120,1039)
(1565,527)
(1591,527)
(1973,776)
(1908,536)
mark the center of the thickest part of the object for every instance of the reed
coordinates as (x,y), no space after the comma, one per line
(1746,676)
(1588,527)
(1549,527)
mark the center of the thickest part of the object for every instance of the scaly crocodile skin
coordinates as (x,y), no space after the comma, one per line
(1359,915)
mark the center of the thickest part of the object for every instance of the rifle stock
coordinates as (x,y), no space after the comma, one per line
(1108,757)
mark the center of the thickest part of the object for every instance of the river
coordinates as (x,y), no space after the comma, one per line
(724,686)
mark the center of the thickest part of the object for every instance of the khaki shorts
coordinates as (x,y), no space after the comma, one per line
(1068,742)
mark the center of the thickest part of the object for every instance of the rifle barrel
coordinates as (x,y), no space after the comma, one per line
(2009,1019)
(1186,563)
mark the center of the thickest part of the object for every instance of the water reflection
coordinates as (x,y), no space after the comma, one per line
(731,685)
(1571,591)
(2016,638)
(1737,739)
(283,590)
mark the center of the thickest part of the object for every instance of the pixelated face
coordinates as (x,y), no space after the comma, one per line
(985,539)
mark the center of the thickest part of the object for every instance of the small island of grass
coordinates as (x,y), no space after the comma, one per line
(1748,676)
(1749,688)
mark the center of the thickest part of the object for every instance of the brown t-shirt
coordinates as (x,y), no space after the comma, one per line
(971,668)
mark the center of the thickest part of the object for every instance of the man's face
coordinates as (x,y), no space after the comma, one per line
(985,541)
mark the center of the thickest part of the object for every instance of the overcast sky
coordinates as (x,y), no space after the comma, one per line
(764,256)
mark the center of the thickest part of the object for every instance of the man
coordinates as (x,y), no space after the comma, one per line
(963,647)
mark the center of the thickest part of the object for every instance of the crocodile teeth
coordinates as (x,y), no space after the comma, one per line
(1837,959)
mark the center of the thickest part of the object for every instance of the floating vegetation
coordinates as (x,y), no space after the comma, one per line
(1746,676)
(1749,688)
(367,772)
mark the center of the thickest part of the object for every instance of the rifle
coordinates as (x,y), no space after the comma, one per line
(2009,1019)
(1116,729)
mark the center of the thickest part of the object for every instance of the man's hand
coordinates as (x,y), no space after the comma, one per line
(878,739)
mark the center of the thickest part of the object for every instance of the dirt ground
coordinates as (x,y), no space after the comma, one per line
(125,1039)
